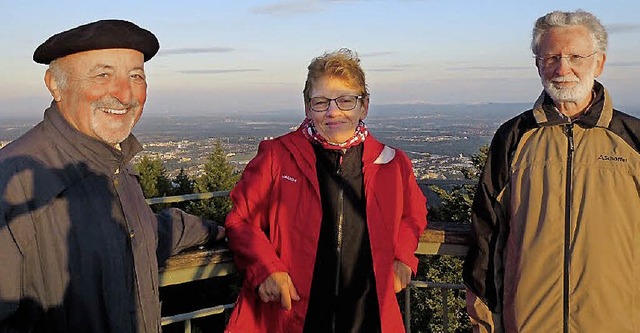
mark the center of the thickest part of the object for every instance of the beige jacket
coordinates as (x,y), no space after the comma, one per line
(556,222)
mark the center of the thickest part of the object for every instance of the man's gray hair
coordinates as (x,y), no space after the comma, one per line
(59,73)
(566,19)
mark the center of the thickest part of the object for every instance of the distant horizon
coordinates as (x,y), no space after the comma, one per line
(252,56)
(150,112)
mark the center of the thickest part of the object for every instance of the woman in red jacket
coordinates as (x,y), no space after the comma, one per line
(326,219)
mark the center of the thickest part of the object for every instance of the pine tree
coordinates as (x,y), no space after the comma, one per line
(219,175)
(182,184)
(153,177)
(153,180)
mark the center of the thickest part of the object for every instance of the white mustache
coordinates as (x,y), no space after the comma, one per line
(114,103)
(565,79)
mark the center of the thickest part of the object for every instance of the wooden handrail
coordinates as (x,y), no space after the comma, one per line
(440,238)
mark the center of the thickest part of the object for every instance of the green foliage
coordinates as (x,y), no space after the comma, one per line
(183,184)
(219,175)
(153,177)
(480,159)
(426,304)
(456,204)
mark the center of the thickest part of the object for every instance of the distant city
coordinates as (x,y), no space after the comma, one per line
(439,139)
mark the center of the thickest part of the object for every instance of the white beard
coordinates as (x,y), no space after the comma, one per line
(580,92)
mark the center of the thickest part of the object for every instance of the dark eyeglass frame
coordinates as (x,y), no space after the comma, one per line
(335,100)
(554,59)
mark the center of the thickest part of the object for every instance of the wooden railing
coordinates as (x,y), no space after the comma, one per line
(203,263)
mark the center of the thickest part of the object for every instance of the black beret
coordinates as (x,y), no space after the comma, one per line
(104,34)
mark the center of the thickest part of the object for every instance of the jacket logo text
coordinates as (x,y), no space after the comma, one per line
(289,178)
(611,158)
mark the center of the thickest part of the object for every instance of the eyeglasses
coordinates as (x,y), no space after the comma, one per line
(344,103)
(554,59)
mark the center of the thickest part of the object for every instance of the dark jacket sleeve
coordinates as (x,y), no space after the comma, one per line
(178,230)
(483,271)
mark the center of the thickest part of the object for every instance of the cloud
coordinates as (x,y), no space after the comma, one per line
(287,7)
(623,64)
(218,71)
(194,50)
(622,28)
(383,70)
(376,54)
(290,7)
(393,68)
(490,68)
(274,83)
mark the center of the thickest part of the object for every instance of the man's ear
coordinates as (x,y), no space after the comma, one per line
(600,64)
(52,84)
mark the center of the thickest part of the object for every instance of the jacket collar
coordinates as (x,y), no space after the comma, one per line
(599,114)
(374,152)
(98,156)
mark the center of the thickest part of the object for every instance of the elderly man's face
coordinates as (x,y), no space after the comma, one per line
(562,80)
(104,93)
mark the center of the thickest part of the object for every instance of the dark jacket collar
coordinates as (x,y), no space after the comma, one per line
(97,155)
(598,114)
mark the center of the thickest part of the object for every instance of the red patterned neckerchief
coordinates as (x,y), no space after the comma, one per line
(314,137)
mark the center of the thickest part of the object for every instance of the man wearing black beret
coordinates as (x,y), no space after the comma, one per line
(79,246)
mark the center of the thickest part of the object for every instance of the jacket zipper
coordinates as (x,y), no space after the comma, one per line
(567,226)
(338,240)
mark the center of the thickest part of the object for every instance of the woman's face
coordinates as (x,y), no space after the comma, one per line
(334,124)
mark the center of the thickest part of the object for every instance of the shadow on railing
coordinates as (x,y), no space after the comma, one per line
(441,238)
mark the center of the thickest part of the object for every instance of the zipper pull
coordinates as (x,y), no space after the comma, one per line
(568,131)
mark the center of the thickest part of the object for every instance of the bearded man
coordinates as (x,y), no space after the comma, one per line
(556,213)
(79,246)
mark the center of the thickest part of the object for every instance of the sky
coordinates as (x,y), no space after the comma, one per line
(240,56)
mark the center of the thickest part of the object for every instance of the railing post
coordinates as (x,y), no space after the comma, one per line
(407,308)
(445,309)
(187,326)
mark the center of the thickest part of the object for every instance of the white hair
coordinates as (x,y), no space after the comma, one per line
(566,19)
(59,74)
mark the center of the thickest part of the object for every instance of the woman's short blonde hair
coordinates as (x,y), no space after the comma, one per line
(343,63)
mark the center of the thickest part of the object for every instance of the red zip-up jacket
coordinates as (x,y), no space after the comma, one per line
(275,224)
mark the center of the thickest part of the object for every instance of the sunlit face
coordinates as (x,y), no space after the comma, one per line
(565,82)
(335,125)
(104,93)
